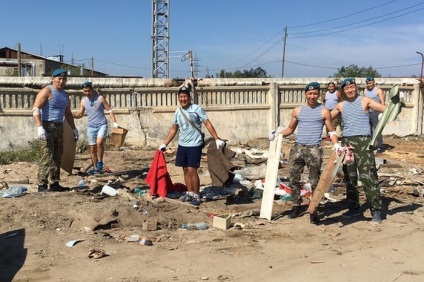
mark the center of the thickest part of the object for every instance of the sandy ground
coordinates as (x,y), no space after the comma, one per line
(35,228)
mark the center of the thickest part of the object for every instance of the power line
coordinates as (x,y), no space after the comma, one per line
(343,30)
(343,17)
(385,15)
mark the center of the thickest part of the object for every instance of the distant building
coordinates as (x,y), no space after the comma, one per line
(34,65)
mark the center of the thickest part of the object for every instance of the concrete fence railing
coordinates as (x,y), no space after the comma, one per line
(240,109)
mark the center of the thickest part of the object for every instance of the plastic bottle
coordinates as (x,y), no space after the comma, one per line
(81,183)
(13,192)
(197,226)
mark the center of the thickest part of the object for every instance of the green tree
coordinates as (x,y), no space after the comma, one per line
(355,71)
(258,73)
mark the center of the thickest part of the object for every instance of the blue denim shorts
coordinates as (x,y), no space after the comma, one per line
(96,132)
(188,156)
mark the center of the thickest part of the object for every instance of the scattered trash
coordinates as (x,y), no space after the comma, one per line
(96,253)
(140,239)
(73,242)
(13,192)
(109,191)
(197,226)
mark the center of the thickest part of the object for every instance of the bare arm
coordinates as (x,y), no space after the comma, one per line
(81,110)
(293,123)
(339,96)
(172,132)
(107,108)
(382,96)
(41,98)
(326,115)
(336,111)
(69,117)
(369,103)
(211,129)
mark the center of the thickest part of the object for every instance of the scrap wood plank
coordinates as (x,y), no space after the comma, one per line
(271,177)
(326,179)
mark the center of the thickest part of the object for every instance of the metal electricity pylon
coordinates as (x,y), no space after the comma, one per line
(160,39)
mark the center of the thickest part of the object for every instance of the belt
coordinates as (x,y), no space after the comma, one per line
(368,136)
(55,123)
(307,146)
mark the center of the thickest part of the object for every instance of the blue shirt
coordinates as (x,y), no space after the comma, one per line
(188,135)
(95,111)
(355,120)
(310,124)
(54,109)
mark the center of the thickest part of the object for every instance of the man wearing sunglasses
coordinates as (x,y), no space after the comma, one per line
(96,107)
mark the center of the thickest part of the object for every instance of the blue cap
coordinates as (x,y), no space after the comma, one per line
(347,81)
(312,86)
(184,89)
(59,72)
(369,78)
(87,84)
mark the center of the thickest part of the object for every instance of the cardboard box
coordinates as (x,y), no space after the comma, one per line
(118,136)
(221,223)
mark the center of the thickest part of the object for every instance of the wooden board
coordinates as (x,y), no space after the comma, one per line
(326,179)
(69,148)
(271,177)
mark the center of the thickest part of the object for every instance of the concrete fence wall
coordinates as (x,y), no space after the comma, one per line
(240,109)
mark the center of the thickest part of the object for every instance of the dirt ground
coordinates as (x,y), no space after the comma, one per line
(35,229)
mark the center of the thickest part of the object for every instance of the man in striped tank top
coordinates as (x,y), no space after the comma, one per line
(309,119)
(377,95)
(356,132)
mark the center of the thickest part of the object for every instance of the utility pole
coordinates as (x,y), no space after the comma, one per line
(422,65)
(19,61)
(284,51)
(92,66)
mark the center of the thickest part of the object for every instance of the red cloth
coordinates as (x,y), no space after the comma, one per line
(158,177)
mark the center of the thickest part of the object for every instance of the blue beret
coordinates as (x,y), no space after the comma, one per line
(87,84)
(312,86)
(369,78)
(347,81)
(59,72)
(184,89)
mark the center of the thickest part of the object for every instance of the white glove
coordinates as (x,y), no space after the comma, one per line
(76,134)
(162,147)
(380,115)
(115,125)
(219,143)
(401,95)
(271,135)
(338,148)
(41,133)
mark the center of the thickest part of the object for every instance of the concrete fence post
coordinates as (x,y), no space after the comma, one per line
(274,106)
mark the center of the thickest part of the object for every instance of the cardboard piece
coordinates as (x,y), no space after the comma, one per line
(69,148)
(271,177)
(326,179)
(118,136)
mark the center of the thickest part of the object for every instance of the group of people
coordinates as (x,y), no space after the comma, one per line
(51,108)
(355,111)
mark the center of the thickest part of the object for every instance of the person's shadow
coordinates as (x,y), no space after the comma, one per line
(12,254)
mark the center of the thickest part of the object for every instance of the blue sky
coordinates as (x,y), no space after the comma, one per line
(224,34)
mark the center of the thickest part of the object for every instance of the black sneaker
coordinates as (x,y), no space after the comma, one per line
(42,187)
(313,218)
(351,213)
(295,212)
(56,187)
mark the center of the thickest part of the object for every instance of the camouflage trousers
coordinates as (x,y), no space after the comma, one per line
(364,164)
(301,156)
(51,153)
